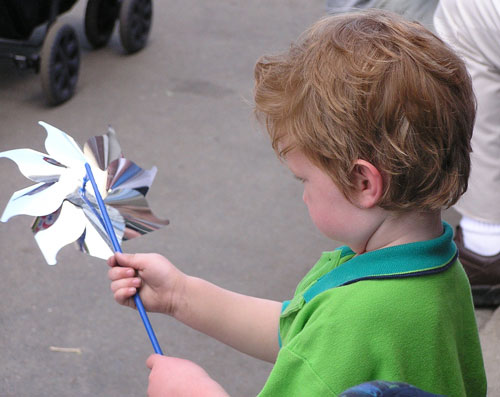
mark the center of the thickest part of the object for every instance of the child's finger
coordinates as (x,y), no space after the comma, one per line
(123,295)
(136,261)
(117,273)
(134,282)
(151,360)
(111,261)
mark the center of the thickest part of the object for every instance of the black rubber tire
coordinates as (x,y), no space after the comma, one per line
(100,17)
(59,63)
(135,23)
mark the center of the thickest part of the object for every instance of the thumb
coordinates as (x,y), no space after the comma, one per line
(150,362)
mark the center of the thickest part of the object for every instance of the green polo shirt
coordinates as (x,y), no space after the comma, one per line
(401,313)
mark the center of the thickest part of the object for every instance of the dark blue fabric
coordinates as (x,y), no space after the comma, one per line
(385,389)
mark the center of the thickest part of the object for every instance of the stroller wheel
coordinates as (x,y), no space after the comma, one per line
(60,62)
(135,23)
(100,17)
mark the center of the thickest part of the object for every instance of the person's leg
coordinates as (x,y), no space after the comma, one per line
(472,28)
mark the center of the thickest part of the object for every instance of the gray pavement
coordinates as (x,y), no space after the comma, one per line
(184,105)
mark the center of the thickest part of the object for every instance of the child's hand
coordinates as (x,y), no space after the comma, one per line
(172,376)
(158,279)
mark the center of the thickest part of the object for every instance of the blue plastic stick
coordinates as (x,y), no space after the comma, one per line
(116,245)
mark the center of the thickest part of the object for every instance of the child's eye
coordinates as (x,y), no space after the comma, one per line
(302,180)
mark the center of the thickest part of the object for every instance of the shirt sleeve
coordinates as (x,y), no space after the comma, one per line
(293,376)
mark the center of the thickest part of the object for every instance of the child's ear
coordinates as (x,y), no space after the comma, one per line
(368,184)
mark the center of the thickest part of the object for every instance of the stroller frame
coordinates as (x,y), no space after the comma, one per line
(25,54)
(57,55)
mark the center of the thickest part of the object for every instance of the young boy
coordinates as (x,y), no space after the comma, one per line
(374,115)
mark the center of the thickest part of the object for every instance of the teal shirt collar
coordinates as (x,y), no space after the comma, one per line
(407,260)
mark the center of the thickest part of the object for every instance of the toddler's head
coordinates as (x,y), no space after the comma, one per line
(371,85)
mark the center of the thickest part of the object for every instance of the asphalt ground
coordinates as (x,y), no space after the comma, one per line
(182,104)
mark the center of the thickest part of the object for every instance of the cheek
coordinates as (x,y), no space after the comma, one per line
(327,213)
(310,202)
(322,221)
(311,208)
(319,213)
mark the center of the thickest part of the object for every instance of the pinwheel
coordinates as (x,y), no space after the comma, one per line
(66,211)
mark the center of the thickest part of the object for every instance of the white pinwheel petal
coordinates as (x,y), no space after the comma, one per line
(36,200)
(95,244)
(34,165)
(68,227)
(101,180)
(62,147)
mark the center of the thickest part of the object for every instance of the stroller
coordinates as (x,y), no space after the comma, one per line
(57,55)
